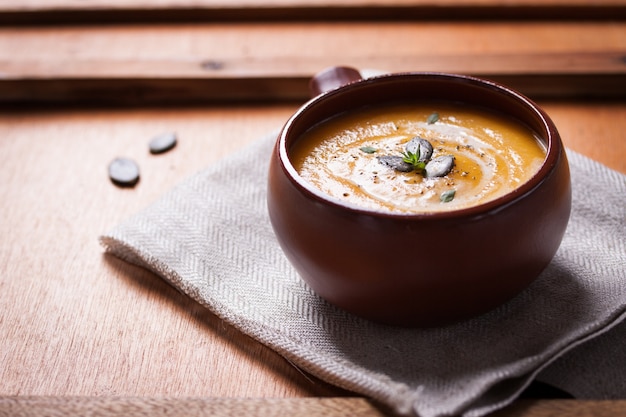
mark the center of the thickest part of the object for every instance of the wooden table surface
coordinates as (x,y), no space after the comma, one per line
(81,84)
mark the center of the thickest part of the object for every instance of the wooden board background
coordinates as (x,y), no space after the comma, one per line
(84,82)
(116,11)
(212,62)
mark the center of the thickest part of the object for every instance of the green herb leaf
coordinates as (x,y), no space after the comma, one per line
(414,159)
(432,118)
(368,149)
(447,196)
(410,157)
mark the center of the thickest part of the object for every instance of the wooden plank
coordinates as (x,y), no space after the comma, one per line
(559,408)
(185,407)
(135,64)
(14,12)
(281,66)
(314,407)
(76,323)
(202,81)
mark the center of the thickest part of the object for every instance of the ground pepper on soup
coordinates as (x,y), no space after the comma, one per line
(378,158)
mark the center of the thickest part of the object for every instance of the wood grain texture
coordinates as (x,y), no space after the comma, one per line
(81,332)
(560,408)
(185,407)
(77,323)
(593,129)
(197,407)
(14,12)
(139,64)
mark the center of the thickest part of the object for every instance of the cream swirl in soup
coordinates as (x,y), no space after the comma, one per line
(343,157)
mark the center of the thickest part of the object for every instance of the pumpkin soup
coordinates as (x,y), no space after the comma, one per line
(417,158)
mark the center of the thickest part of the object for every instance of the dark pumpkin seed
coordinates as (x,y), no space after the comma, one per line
(395,162)
(124,172)
(162,143)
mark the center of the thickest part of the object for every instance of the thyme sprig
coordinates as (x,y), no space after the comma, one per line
(414,159)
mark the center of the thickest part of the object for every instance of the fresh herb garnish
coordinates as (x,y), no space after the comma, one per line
(411,159)
(414,159)
(434,116)
(447,196)
(368,149)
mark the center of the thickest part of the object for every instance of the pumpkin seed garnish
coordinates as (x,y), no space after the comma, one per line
(420,146)
(396,162)
(417,157)
(439,166)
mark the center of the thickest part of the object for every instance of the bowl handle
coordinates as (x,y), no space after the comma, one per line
(332,78)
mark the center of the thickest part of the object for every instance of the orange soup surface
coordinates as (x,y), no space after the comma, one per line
(343,157)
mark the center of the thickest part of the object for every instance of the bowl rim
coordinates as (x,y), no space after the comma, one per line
(554,149)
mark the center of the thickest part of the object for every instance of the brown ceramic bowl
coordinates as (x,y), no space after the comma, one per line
(356,259)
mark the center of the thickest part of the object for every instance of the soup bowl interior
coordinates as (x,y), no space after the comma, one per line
(423,269)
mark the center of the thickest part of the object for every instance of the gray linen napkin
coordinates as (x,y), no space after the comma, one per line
(211,238)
